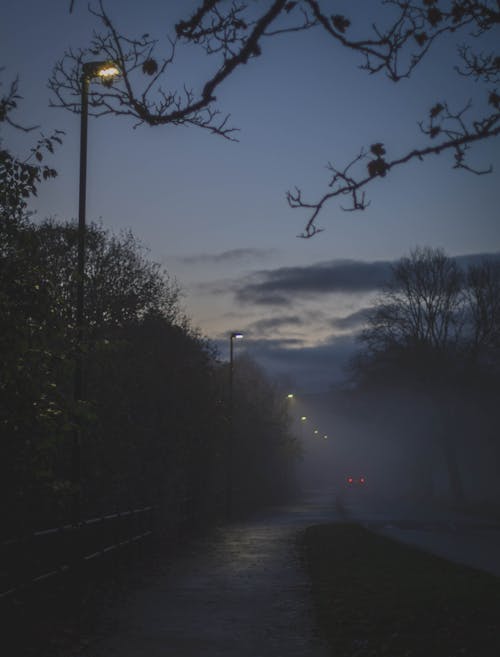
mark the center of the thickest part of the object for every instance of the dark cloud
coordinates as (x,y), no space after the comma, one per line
(353,321)
(344,276)
(227,257)
(283,286)
(311,368)
(271,324)
(264,298)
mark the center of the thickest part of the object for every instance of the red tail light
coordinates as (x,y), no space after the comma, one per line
(362,480)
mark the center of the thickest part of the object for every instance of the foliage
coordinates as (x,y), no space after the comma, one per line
(155,415)
(265,448)
(34,410)
(19,178)
(232,34)
(37,296)
(153,421)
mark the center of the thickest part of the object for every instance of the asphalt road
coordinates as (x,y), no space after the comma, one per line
(241,593)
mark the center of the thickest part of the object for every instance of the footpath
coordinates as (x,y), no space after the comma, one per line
(242,592)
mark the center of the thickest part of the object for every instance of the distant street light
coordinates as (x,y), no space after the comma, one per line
(303,420)
(106,71)
(290,395)
(229,500)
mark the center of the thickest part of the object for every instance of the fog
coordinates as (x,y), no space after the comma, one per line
(419,452)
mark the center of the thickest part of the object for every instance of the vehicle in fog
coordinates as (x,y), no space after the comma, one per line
(355,481)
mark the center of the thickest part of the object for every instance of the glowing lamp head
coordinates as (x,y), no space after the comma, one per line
(109,71)
(290,395)
(236,336)
(105,70)
(303,418)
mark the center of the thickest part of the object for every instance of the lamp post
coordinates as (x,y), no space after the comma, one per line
(303,420)
(229,500)
(106,71)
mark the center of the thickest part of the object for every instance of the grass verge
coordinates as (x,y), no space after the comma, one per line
(375,597)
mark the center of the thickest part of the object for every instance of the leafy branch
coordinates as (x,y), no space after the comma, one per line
(19,178)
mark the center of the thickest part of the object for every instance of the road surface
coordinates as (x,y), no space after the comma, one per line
(240,593)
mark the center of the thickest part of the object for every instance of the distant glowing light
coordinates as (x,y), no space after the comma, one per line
(303,418)
(350,480)
(290,396)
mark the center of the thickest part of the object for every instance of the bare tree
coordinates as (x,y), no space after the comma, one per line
(421,308)
(483,292)
(232,33)
(414,333)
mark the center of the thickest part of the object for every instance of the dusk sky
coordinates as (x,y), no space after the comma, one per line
(214,212)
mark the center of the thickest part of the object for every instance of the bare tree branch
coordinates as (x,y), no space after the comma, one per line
(233,31)
(153,105)
(8,103)
(458,137)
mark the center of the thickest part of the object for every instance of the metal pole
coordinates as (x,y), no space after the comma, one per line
(80,298)
(229,491)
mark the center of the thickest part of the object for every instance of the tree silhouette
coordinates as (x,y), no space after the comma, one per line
(20,177)
(434,335)
(483,288)
(420,309)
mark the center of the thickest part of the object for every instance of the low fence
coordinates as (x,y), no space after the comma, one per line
(43,555)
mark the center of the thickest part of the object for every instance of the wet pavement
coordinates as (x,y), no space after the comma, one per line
(242,592)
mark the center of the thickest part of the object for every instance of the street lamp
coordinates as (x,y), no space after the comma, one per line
(303,420)
(232,338)
(105,71)
(229,501)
